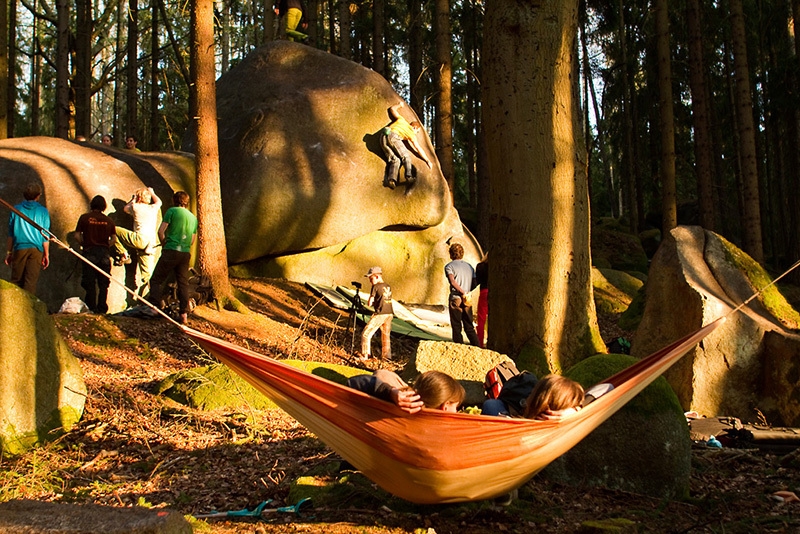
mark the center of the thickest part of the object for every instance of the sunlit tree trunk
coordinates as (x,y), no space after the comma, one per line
(703,155)
(82,81)
(62,70)
(669,208)
(751,219)
(444,102)
(541,299)
(225,35)
(212,250)
(132,71)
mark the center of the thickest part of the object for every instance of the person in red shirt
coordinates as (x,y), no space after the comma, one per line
(96,233)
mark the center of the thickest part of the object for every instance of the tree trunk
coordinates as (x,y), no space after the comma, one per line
(155,74)
(669,207)
(132,71)
(628,156)
(82,82)
(62,70)
(378,37)
(212,250)
(225,36)
(415,56)
(345,27)
(703,154)
(444,102)
(5,73)
(543,313)
(751,219)
(36,75)
(12,73)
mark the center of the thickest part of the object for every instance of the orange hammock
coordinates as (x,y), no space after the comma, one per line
(434,456)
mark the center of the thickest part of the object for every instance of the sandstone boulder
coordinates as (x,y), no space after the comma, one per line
(465,363)
(643,448)
(71,174)
(41,382)
(744,366)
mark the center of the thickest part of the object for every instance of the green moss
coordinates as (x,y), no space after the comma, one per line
(632,316)
(654,399)
(772,299)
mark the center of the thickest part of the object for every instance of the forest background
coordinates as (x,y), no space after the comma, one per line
(685,111)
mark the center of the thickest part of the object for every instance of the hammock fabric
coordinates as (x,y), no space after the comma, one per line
(433,456)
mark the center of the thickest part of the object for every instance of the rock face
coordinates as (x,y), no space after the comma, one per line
(34,517)
(465,363)
(643,448)
(744,366)
(71,174)
(302,177)
(41,383)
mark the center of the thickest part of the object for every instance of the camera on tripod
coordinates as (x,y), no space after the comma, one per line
(356,285)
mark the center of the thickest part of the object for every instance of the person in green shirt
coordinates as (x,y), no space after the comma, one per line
(177,234)
(393,140)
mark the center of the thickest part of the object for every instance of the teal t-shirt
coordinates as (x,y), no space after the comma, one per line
(181,226)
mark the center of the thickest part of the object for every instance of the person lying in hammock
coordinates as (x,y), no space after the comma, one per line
(553,398)
(432,389)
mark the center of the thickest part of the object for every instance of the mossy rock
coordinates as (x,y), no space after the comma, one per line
(616,248)
(216,387)
(643,448)
(632,316)
(614,290)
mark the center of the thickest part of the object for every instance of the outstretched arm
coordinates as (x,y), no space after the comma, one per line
(418,150)
(394,111)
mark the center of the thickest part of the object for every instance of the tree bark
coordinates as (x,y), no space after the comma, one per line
(543,313)
(4,70)
(378,64)
(751,219)
(36,76)
(212,250)
(12,75)
(155,74)
(132,71)
(345,27)
(82,81)
(669,207)
(62,70)
(444,102)
(703,151)
(415,56)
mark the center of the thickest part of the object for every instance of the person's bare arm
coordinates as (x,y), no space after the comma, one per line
(420,152)
(156,201)
(394,111)
(162,233)
(9,250)
(453,283)
(46,255)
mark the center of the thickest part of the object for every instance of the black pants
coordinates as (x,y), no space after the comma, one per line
(171,261)
(94,283)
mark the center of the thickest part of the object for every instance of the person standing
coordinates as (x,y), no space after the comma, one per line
(96,233)
(144,207)
(291,13)
(460,275)
(393,139)
(177,233)
(27,249)
(482,279)
(380,299)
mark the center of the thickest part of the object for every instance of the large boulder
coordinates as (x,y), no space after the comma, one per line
(746,365)
(643,448)
(41,382)
(302,177)
(71,174)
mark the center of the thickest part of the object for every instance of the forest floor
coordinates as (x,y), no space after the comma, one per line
(135,447)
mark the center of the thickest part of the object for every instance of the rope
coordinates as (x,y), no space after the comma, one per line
(50,236)
(759,291)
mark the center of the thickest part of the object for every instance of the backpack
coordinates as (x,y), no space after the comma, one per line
(516,391)
(497,377)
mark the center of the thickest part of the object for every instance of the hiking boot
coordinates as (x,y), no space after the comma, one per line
(391,184)
(182,318)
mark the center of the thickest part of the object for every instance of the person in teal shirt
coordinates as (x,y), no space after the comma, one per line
(177,234)
(27,249)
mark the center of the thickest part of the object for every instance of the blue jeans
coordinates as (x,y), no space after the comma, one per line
(396,154)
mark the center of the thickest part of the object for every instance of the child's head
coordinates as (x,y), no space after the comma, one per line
(439,391)
(456,251)
(143,196)
(553,392)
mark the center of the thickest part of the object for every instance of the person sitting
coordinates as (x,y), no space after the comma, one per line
(432,389)
(553,398)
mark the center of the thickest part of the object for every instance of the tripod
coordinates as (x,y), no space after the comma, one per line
(358,307)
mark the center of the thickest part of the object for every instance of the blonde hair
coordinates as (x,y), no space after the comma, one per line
(436,388)
(553,392)
(143,196)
